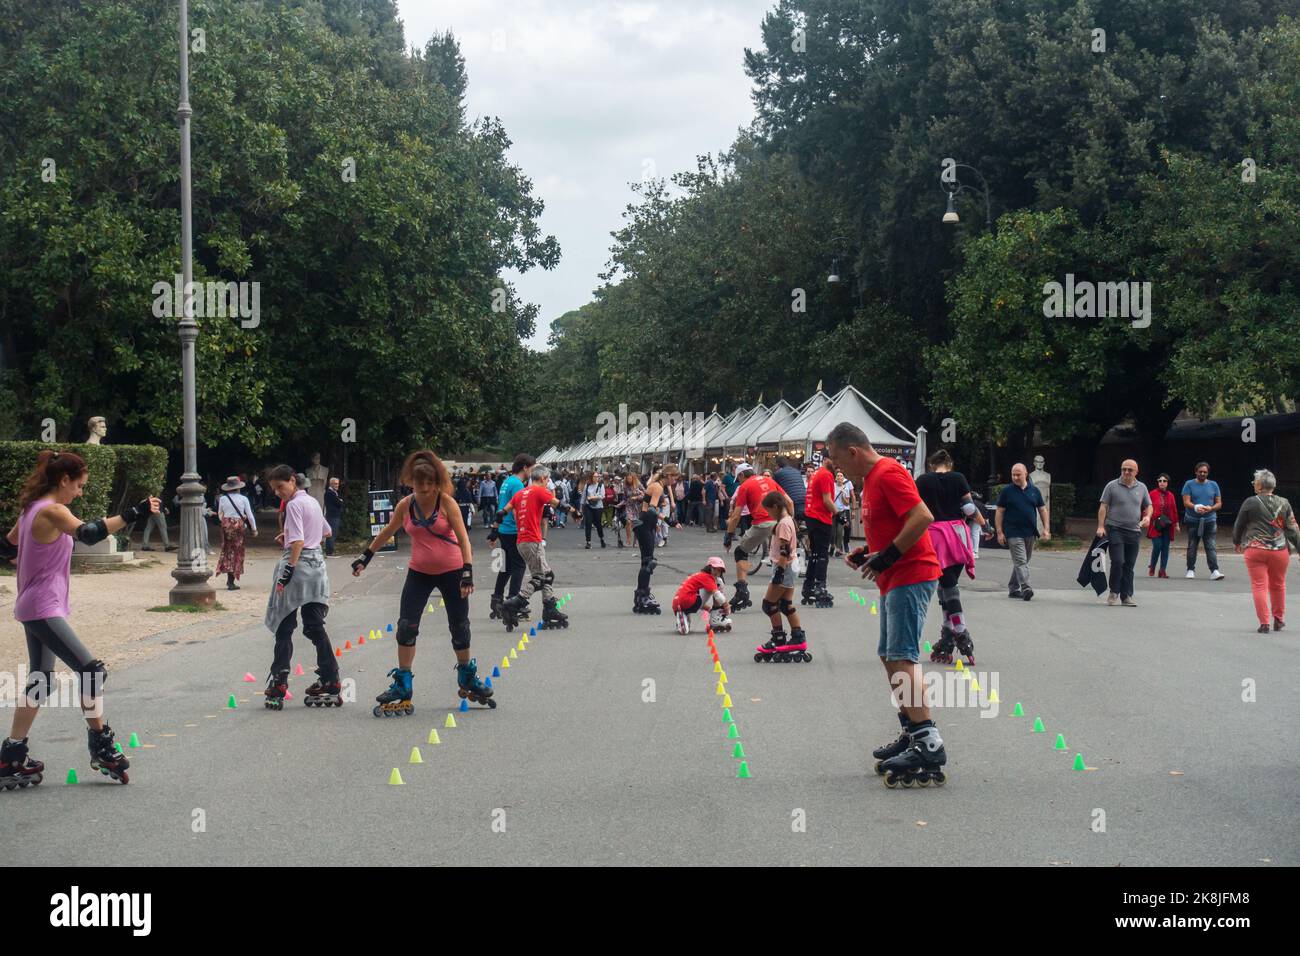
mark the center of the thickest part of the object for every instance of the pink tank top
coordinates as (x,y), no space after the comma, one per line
(434,549)
(42,571)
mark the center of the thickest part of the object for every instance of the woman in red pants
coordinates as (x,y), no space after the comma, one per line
(1266,532)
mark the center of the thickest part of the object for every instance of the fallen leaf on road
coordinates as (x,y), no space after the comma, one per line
(1175,773)
(921,823)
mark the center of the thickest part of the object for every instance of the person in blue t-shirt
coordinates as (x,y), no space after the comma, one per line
(507,534)
(1201,503)
(1018,504)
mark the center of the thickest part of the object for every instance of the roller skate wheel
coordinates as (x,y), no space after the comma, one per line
(939,778)
(758,658)
(807,658)
(891,781)
(880,766)
(378,711)
(463,692)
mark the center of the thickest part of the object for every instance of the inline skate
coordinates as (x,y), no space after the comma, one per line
(324,693)
(741,599)
(552,616)
(941,653)
(783,650)
(396,701)
(966,646)
(719,621)
(893,749)
(103,757)
(921,764)
(683,622)
(643,602)
(471,687)
(823,597)
(17,770)
(277,688)
(495,612)
(513,609)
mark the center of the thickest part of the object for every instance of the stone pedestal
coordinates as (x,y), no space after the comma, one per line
(97,555)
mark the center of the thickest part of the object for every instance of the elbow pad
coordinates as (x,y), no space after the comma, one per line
(969,508)
(92,532)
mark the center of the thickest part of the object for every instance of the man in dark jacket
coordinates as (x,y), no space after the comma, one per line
(333,514)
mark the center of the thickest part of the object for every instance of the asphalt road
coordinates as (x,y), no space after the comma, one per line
(579,765)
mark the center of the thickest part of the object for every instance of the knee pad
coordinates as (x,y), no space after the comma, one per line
(786,605)
(407,632)
(649,565)
(37,690)
(741,554)
(536,581)
(460,634)
(548,578)
(948,594)
(93,676)
(770,607)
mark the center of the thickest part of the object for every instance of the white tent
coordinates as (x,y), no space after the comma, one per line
(778,418)
(734,437)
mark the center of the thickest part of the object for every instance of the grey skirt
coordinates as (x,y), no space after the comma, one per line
(310,584)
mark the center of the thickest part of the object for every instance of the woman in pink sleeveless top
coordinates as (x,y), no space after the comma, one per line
(441,558)
(42,543)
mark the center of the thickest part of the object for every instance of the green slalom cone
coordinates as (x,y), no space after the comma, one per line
(1078,762)
(726,716)
(733,733)
(927,647)
(231,703)
(72,775)
(134,741)
(1060,742)
(117,746)
(739,752)
(743,771)
(1018,711)
(1038,726)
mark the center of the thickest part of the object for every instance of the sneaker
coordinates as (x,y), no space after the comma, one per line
(1190,573)
(1163,575)
(1015,594)
(1278,624)
(1112,599)
(683,623)
(1263,629)
(1128,601)
(1217,575)
(1027,594)
(588,545)
(1151,571)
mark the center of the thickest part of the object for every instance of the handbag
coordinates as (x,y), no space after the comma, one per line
(1163,523)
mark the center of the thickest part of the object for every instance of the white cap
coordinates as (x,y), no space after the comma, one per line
(742,466)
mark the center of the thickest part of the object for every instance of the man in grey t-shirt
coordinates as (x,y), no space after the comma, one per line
(1124,514)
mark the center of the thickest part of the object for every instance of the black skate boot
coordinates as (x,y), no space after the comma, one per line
(741,599)
(941,653)
(921,763)
(277,687)
(17,770)
(638,601)
(324,693)
(396,701)
(495,612)
(512,609)
(552,616)
(770,650)
(966,646)
(650,605)
(808,595)
(471,687)
(897,747)
(796,652)
(103,756)
(824,597)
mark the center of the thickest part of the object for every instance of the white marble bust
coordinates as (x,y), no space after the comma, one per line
(318,475)
(98,430)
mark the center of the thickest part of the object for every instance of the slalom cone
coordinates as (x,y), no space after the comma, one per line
(505,662)
(928,648)
(739,751)
(717,667)
(395,779)
(72,775)
(449,722)
(743,771)
(250,679)
(464,706)
(960,666)
(726,717)
(733,733)
(347,645)
(433,736)
(496,671)
(873,607)
(974,685)
(1060,742)
(726,701)
(299,671)
(361,640)
(415,756)
(1038,726)
(514,656)
(430,609)
(722,679)
(134,741)
(338,652)
(1017,711)
(390,629)
(230,704)
(719,690)
(1078,762)
(993,696)
(520,645)
(487,681)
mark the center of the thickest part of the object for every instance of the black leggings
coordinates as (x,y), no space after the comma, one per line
(591,518)
(515,566)
(819,543)
(53,637)
(645,539)
(415,597)
(313,628)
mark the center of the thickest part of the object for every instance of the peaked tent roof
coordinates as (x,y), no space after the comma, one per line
(849,405)
(731,438)
(814,406)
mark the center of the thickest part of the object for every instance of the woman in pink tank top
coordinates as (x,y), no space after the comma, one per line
(441,558)
(42,543)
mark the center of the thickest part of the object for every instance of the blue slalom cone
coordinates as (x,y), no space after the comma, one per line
(390,629)
(496,671)
(464,706)
(487,682)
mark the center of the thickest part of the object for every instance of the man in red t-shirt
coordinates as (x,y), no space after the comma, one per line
(819,515)
(901,560)
(750,493)
(528,506)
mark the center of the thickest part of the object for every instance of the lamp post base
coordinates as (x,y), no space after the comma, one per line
(192,588)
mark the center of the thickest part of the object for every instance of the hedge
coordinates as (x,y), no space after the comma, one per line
(356,509)
(141,471)
(17,458)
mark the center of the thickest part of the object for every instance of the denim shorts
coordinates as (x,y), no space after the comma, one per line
(902,620)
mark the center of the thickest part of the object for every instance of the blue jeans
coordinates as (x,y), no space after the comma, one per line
(902,620)
(1160,551)
(1202,531)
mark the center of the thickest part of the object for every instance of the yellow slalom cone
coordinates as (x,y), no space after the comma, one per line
(513,655)
(723,678)
(520,645)
(415,756)
(960,665)
(720,691)
(726,700)
(449,722)
(717,667)
(395,779)
(505,662)
(433,736)
(993,696)
(974,684)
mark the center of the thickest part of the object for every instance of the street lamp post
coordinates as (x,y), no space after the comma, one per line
(950,216)
(191,572)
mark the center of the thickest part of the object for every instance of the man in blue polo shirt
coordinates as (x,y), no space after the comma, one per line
(1018,505)
(1201,503)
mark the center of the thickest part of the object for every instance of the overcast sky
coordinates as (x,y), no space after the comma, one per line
(593,93)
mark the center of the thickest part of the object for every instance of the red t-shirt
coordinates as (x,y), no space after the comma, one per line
(813,506)
(888,493)
(692,587)
(751,492)
(528,504)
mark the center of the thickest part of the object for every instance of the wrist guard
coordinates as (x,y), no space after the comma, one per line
(883,559)
(467,576)
(363,562)
(727,539)
(136,511)
(858,557)
(285,576)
